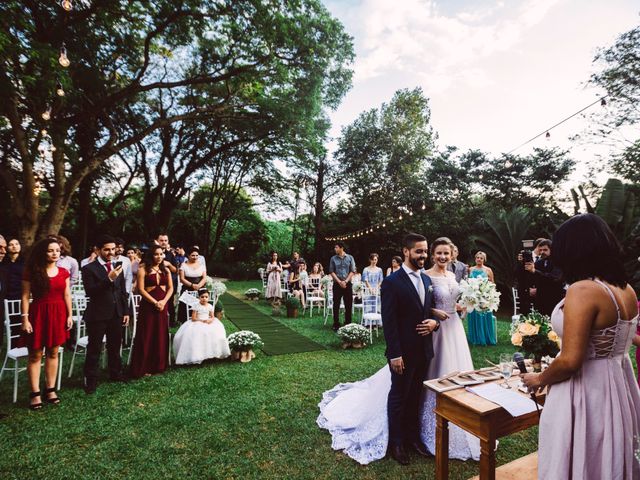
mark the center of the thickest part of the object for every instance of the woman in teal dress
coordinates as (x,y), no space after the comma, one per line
(482,326)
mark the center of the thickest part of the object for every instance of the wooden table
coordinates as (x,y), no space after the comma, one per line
(482,418)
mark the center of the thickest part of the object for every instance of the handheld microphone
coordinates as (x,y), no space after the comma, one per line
(519,359)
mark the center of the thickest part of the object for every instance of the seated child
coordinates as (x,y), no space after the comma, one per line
(202,337)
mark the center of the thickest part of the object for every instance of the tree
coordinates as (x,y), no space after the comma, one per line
(198,60)
(618,124)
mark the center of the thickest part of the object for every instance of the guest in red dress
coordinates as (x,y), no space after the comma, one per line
(47,320)
(151,345)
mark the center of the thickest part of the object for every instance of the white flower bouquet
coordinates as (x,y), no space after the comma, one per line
(216,288)
(479,294)
(357,288)
(326,280)
(353,333)
(252,294)
(244,340)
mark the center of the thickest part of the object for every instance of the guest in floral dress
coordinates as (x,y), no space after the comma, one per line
(274,270)
(372,275)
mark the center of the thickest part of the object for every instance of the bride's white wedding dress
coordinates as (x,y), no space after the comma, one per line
(356,413)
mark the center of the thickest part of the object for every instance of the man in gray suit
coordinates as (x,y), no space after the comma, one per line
(460,269)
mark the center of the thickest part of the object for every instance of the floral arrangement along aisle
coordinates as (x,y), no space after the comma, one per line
(252,294)
(353,335)
(534,335)
(242,344)
(479,294)
(216,289)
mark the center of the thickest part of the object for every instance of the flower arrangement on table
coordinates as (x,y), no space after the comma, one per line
(353,335)
(252,294)
(479,294)
(242,344)
(534,335)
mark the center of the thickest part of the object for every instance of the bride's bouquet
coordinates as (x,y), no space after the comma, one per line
(479,294)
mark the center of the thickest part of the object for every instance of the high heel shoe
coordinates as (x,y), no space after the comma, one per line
(48,399)
(35,406)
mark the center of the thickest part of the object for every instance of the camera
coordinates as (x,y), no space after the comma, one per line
(117,264)
(527,252)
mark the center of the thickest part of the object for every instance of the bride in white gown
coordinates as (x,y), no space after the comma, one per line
(356,413)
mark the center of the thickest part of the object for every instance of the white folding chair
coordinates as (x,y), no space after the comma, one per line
(12,325)
(371,316)
(516,301)
(135,308)
(79,305)
(264,278)
(328,304)
(316,295)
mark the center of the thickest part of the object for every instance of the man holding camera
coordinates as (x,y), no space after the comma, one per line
(107,311)
(546,289)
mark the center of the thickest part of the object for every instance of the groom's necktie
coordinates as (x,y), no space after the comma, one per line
(420,287)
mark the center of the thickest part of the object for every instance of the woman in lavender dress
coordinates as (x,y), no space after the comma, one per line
(590,424)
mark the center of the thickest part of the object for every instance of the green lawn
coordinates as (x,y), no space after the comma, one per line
(218,420)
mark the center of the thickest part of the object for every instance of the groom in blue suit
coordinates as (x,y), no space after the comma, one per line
(407,301)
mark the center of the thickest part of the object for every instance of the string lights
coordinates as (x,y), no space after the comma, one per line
(67,5)
(63,59)
(508,164)
(59,89)
(46,115)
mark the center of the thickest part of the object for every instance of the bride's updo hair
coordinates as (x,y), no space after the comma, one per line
(441,241)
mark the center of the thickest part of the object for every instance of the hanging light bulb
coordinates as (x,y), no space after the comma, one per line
(67,5)
(548,136)
(59,89)
(400,217)
(384,225)
(603,103)
(424,206)
(43,132)
(411,214)
(63,59)
(46,115)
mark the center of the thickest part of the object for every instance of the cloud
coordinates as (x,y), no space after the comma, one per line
(416,37)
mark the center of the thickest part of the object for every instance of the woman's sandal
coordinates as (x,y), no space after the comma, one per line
(35,406)
(48,399)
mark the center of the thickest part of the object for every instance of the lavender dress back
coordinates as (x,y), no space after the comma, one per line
(591,421)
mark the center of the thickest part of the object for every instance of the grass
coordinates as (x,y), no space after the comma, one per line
(222,420)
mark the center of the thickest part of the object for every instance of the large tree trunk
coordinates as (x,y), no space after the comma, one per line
(319,207)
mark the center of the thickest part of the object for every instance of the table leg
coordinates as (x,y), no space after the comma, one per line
(488,459)
(442,448)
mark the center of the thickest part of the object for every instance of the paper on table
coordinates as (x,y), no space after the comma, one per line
(510,400)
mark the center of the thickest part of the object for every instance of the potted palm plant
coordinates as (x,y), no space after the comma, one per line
(293,305)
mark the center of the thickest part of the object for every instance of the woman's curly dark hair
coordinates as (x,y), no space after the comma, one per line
(36,267)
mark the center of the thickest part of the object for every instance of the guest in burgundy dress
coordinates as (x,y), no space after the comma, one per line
(47,320)
(151,345)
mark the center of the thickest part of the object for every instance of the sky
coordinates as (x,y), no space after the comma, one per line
(496,72)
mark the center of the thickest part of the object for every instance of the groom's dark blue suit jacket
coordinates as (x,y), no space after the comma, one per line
(401,313)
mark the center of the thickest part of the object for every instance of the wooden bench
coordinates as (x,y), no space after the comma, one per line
(523,468)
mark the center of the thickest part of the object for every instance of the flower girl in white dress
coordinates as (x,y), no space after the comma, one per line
(202,337)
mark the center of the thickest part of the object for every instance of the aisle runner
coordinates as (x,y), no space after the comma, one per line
(278,338)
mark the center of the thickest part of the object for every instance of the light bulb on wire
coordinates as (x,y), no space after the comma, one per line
(424,206)
(603,102)
(548,136)
(44,132)
(411,214)
(46,115)
(59,89)
(67,5)
(63,59)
